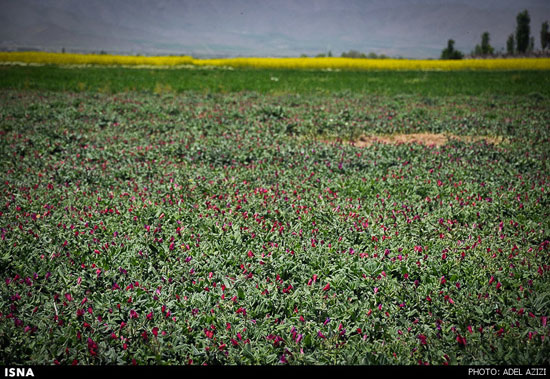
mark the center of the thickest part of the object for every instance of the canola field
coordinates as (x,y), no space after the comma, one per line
(254,225)
(278,63)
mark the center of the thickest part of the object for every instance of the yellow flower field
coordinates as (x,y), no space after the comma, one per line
(277,63)
(92,59)
(380,64)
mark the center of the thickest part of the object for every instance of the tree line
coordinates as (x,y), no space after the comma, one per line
(349,54)
(519,43)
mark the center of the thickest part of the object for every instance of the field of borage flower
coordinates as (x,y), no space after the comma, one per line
(204,228)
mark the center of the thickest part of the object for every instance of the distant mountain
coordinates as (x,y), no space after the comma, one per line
(205,28)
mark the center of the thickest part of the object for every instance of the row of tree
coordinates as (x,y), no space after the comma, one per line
(519,43)
(522,42)
(357,54)
(350,54)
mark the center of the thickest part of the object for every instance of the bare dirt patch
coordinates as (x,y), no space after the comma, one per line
(429,139)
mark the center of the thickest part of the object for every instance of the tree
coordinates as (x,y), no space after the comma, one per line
(544,35)
(450,52)
(486,48)
(353,54)
(510,45)
(523,31)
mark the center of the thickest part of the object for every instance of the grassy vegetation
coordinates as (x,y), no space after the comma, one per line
(201,217)
(428,83)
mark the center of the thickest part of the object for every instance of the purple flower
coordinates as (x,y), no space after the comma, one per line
(422,339)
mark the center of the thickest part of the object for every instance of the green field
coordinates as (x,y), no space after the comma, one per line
(246,217)
(429,83)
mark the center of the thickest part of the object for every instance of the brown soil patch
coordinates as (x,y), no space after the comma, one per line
(429,139)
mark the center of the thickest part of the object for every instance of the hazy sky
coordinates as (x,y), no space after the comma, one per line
(408,28)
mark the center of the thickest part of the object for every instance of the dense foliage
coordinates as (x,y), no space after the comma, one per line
(225,229)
